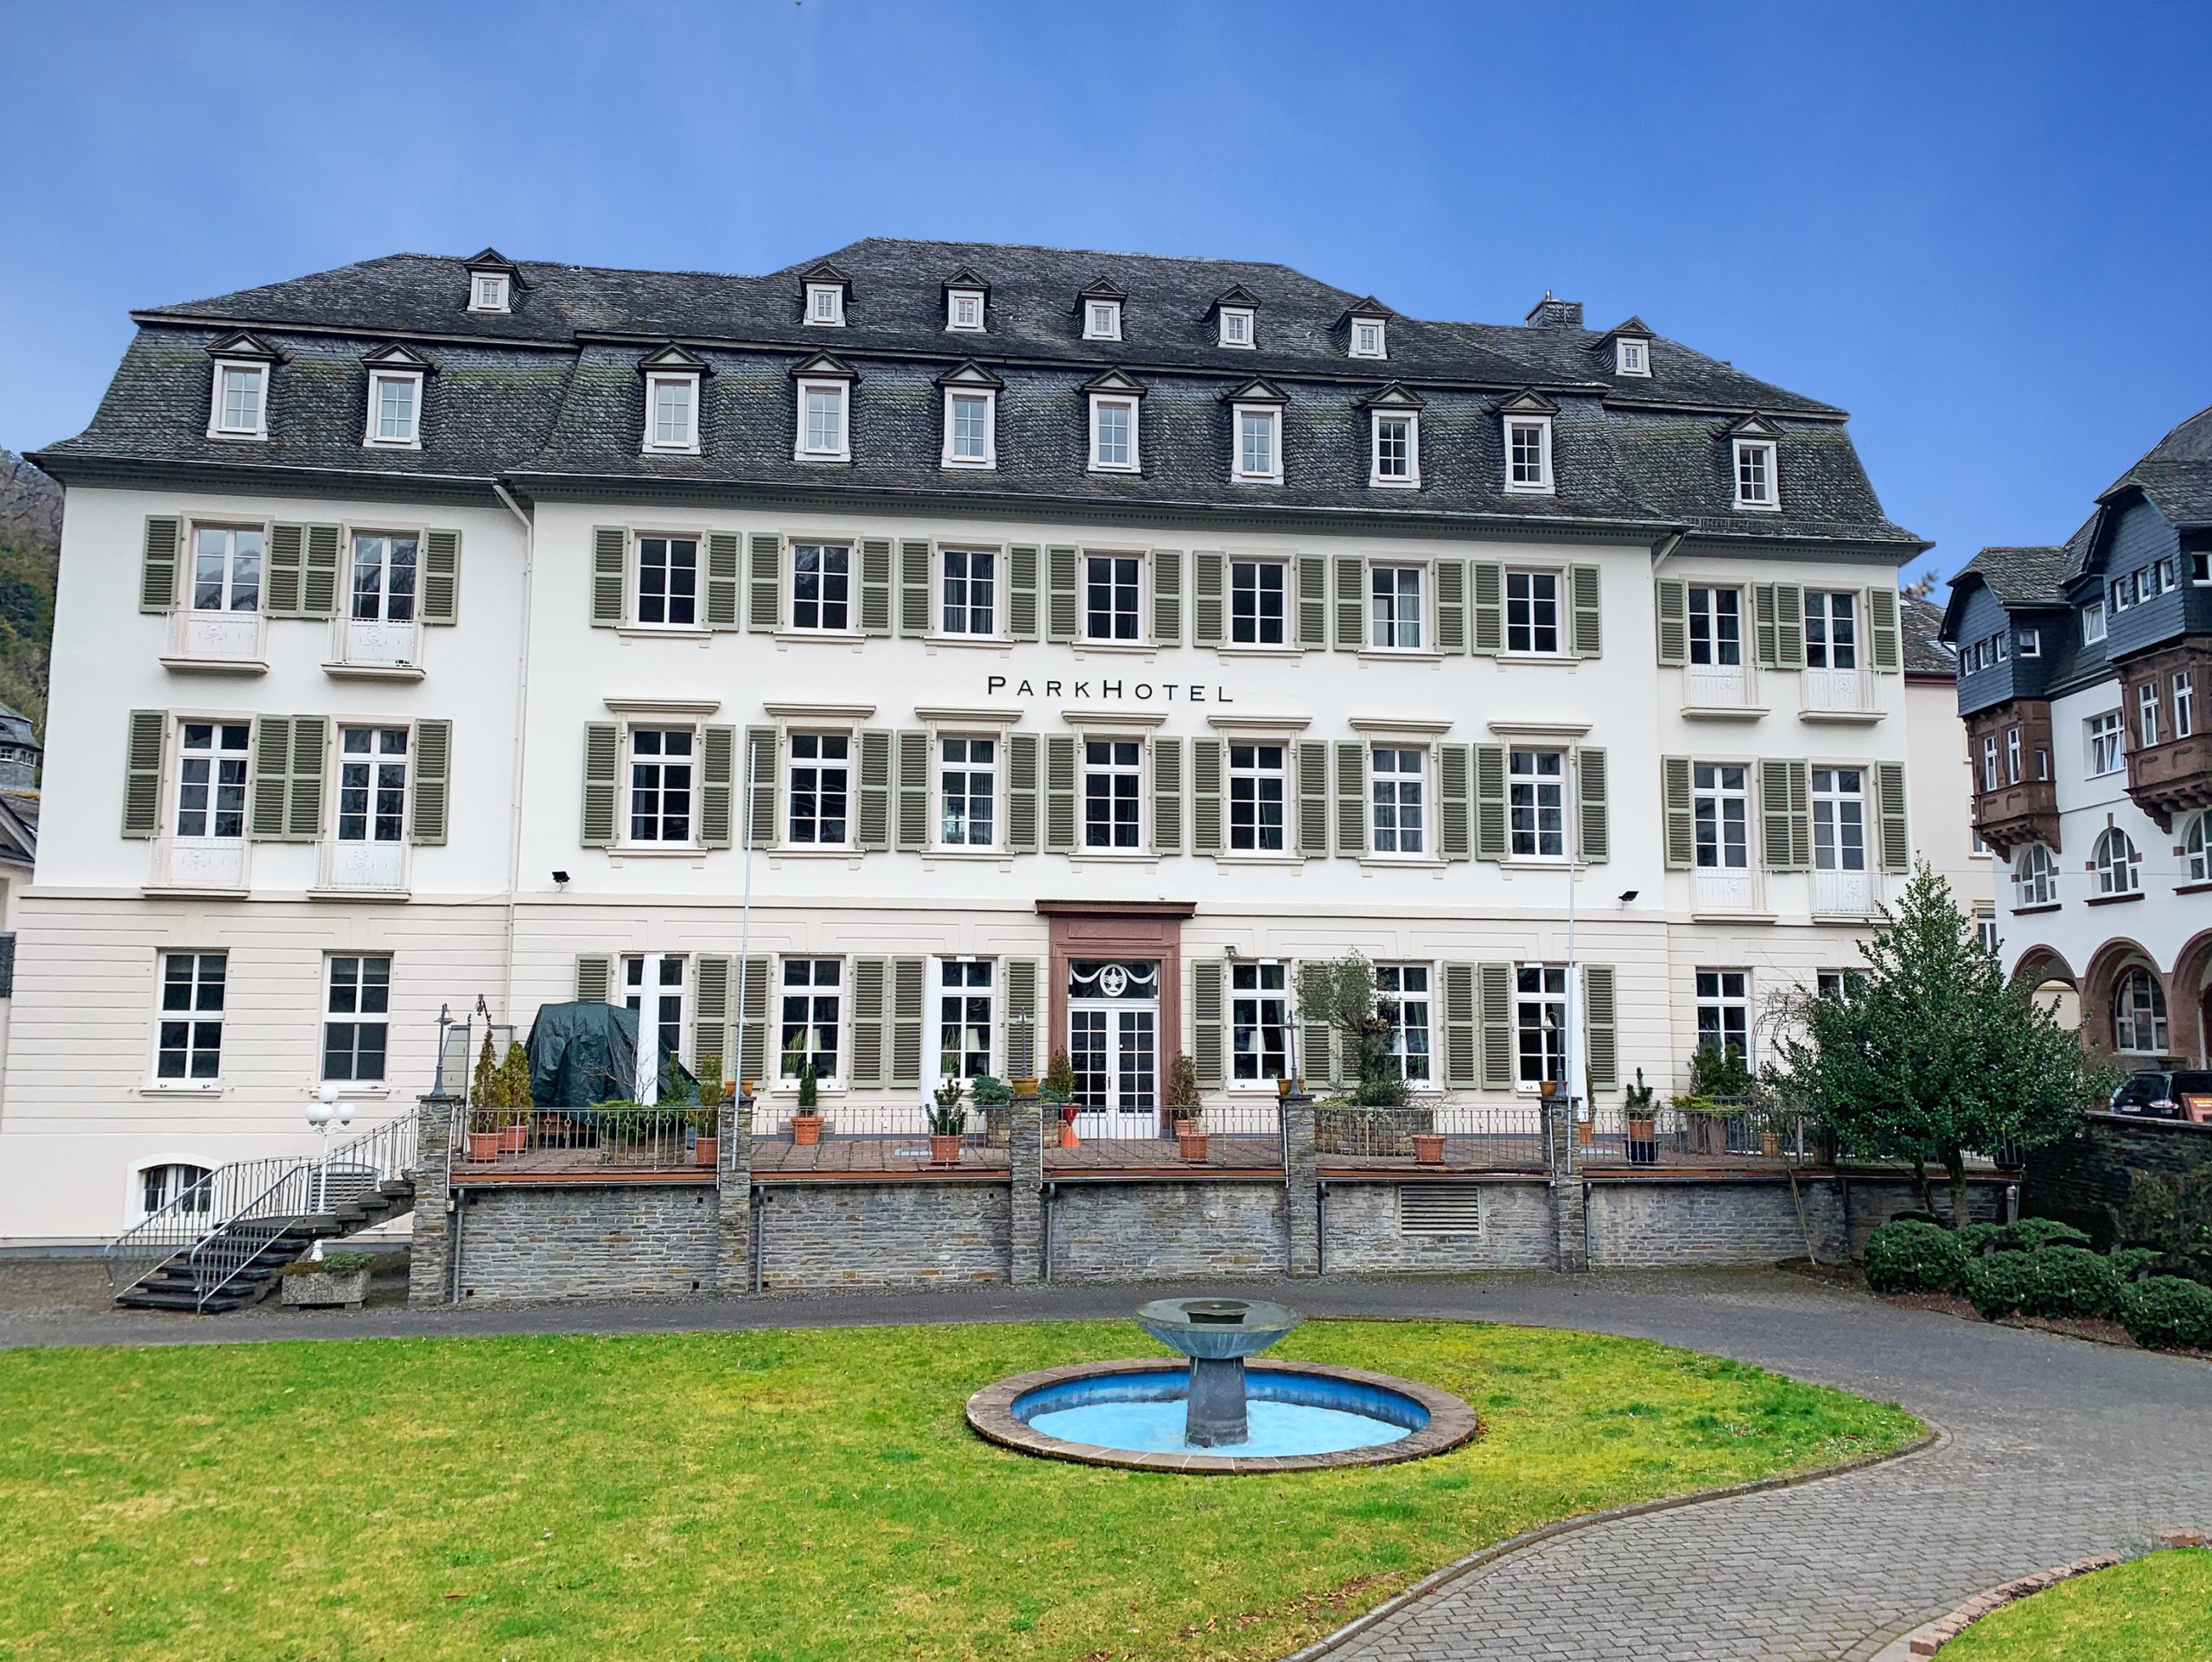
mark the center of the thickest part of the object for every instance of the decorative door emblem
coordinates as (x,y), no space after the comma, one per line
(1113,981)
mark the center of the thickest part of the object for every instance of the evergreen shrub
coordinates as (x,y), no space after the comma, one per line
(1910,1257)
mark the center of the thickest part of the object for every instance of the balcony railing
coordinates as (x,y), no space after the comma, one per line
(371,644)
(218,640)
(1836,693)
(1726,889)
(201,862)
(1845,893)
(550,1141)
(1719,688)
(366,868)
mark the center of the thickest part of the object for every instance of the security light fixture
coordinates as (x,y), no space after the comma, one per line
(560,877)
(1629,895)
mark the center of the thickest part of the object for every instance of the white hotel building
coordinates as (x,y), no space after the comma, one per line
(1100,635)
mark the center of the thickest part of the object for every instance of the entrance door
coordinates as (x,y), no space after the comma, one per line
(1114,1042)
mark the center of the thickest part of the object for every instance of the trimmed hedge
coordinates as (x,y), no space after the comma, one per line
(1911,1256)
(2059,1281)
(1998,1285)
(2167,1312)
(2031,1234)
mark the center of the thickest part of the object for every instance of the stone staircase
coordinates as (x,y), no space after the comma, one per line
(263,1246)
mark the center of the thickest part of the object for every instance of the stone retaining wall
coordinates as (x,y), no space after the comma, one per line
(905,1233)
(609,1240)
(1642,1223)
(1366,1230)
(2085,1180)
(1166,1231)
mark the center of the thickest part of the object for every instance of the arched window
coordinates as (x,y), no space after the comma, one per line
(2138,1014)
(2200,848)
(2035,881)
(178,1180)
(2118,866)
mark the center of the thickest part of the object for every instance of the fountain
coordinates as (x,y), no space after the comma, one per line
(1217,1334)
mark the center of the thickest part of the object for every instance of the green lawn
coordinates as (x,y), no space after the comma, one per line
(798,1496)
(2155,1608)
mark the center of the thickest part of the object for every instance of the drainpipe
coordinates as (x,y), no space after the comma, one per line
(1589,1233)
(759,1231)
(522,725)
(1051,1193)
(459,1201)
(1321,1227)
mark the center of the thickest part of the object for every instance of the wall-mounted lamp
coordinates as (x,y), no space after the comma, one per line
(561,878)
(1628,894)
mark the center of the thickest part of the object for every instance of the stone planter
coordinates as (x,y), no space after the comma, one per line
(1370,1131)
(323,1290)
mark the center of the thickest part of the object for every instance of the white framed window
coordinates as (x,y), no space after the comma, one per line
(1258,592)
(1259,1022)
(2146,714)
(818,777)
(812,1020)
(968,578)
(1405,993)
(1256,791)
(2107,744)
(240,404)
(1398,781)
(188,1037)
(1720,808)
(1838,819)
(970,427)
(965,1017)
(968,790)
(372,785)
(1113,597)
(1834,984)
(2119,863)
(382,588)
(1395,456)
(211,767)
(395,409)
(822,577)
(2185,684)
(2093,621)
(227,568)
(1113,435)
(1992,776)
(1368,339)
(1393,607)
(357,1016)
(1537,804)
(1113,793)
(1632,356)
(1723,1011)
(660,784)
(488,292)
(2012,755)
(2000,647)
(823,428)
(668,582)
(2123,593)
(2035,876)
(963,310)
(1716,625)
(672,413)
(1531,613)
(2198,848)
(1538,1024)
(1237,325)
(1755,474)
(179,1183)
(653,987)
(1259,444)
(2138,1014)
(1101,320)
(825,305)
(2032,643)
(1528,454)
(1831,630)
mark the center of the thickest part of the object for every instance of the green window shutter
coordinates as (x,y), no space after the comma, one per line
(272,773)
(906,978)
(1490,840)
(1882,629)
(722,557)
(441,576)
(913,789)
(1167,597)
(1167,796)
(872,825)
(1021,592)
(1789,626)
(871,977)
(1313,799)
(717,787)
(280,593)
(1785,832)
(1494,987)
(1801,815)
(1600,1028)
(914,586)
(1317,1054)
(610,555)
(144,756)
(1209,598)
(1585,588)
(304,804)
(1461,1072)
(319,578)
(602,768)
(1206,836)
(1020,1061)
(1486,635)
(1206,1036)
(752,1021)
(1451,606)
(1021,792)
(764,586)
(710,1017)
(760,760)
(1454,795)
(1673,616)
(157,563)
(1682,824)
(1591,820)
(1313,602)
(875,586)
(426,824)
(1351,602)
(595,977)
(1763,630)
(1889,810)
(1060,794)
(1352,796)
(1063,610)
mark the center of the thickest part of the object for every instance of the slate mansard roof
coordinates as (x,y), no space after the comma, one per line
(548,397)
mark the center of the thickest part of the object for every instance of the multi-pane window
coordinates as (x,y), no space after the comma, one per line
(1255,797)
(660,784)
(825,302)
(1632,357)
(2119,864)
(1112,589)
(1840,818)
(2108,742)
(1831,631)
(191,1027)
(1259,1021)
(1991,775)
(1102,321)
(488,293)
(1403,990)
(1723,1011)
(1528,455)
(226,569)
(1536,802)
(967,785)
(821,784)
(1532,611)
(2198,848)
(179,1184)
(1394,607)
(1398,783)
(1258,433)
(1236,326)
(2140,1013)
(1754,474)
(1837,983)
(967,429)
(970,578)
(672,417)
(2184,704)
(1114,435)
(659,1006)
(384,578)
(1716,625)
(808,1030)
(239,390)
(821,587)
(393,401)
(1393,450)
(210,779)
(822,424)
(965,309)
(1256,602)
(2012,755)
(1539,1024)
(2092,622)
(1720,806)
(964,1019)
(2035,877)
(2146,714)
(1112,777)
(1367,338)
(372,784)
(357,1012)
(668,581)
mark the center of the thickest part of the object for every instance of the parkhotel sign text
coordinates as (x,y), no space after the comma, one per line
(1144,693)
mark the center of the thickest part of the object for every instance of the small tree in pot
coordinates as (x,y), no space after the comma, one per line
(1184,1109)
(807,1119)
(1643,1122)
(1057,1089)
(1341,994)
(948,1124)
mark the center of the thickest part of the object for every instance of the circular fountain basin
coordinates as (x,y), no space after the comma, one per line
(1304,1417)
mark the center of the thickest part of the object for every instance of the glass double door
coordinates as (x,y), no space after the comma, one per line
(1114,1043)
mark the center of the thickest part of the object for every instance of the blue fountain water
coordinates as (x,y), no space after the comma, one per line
(1289,1413)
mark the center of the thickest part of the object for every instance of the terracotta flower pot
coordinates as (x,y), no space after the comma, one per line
(944,1150)
(1191,1145)
(806,1129)
(1428,1147)
(707,1151)
(484,1146)
(513,1139)
(1583,1132)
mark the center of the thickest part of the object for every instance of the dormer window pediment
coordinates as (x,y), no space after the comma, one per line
(676,359)
(1258,390)
(673,376)
(1754,426)
(971,374)
(399,356)
(824,291)
(1396,395)
(244,346)
(492,280)
(1117,382)
(1530,403)
(824,366)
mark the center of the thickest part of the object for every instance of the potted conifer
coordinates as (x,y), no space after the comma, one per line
(806,1121)
(1643,1122)
(1059,1091)
(707,1144)
(1185,1113)
(485,1093)
(948,1124)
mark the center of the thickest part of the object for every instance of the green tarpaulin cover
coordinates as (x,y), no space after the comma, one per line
(581,1054)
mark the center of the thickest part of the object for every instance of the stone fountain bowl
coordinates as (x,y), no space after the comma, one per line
(1216,1329)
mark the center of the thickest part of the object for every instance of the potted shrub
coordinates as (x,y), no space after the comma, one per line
(514,1099)
(948,1124)
(1643,1124)
(1057,1089)
(321,1283)
(996,1099)
(807,1120)
(707,1143)
(1182,1103)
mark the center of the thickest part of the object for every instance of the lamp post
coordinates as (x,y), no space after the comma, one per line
(327,1105)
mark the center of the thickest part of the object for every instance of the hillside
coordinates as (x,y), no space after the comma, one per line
(30,544)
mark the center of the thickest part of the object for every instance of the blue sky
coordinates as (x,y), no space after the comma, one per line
(1982,229)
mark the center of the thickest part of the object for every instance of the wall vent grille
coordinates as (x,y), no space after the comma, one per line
(1439,1209)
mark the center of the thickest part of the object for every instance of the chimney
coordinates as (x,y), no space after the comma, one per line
(1550,313)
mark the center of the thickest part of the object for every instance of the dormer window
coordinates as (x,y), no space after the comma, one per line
(394,407)
(1394,438)
(1755,474)
(972,409)
(1528,453)
(825,305)
(1101,320)
(1632,356)
(487,292)
(963,310)
(1367,338)
(1113,428)
(823,390)
(672,380)
(1255,435)
(1237,325)
(241,402)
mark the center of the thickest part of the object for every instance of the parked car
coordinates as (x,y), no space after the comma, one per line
(2162,1095)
